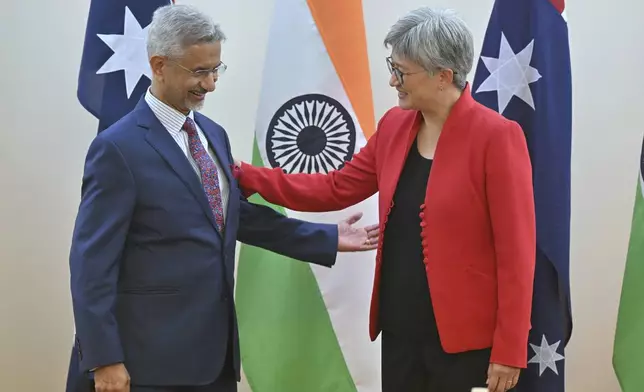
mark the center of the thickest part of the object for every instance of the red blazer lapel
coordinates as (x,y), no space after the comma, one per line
(395,155)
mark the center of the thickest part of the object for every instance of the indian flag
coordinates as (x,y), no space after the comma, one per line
(628,356)
(305,327)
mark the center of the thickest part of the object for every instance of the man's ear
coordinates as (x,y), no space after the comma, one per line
(157,64)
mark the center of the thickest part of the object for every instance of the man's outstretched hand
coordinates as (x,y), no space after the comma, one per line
(356,239)
(350,238)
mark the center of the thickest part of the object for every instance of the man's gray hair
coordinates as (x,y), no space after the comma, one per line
(434,39)
(177,27)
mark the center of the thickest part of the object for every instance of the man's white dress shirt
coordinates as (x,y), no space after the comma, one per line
(173,120)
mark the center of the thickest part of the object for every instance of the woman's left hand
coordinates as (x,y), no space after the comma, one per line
(501,378)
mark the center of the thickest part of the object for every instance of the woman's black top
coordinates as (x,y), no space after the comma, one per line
(405,304)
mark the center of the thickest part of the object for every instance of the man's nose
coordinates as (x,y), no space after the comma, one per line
(209,82)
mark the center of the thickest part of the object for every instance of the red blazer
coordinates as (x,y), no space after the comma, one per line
(478,220)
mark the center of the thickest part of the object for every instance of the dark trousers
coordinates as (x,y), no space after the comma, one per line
(422,366)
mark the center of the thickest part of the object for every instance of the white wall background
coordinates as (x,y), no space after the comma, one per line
(46,134)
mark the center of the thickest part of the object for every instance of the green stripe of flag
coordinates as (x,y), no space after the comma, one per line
(287,340)
(628,357)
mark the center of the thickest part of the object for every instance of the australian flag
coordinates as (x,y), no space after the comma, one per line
(524,74)
(114,71)
(114,74)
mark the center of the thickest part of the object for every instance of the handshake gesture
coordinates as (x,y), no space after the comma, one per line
(351,238)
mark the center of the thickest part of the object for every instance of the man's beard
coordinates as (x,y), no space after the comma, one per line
(194,106)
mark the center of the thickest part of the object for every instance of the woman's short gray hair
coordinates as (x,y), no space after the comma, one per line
(176,27)
(434,39)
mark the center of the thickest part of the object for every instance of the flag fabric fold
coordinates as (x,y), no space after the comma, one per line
(524,73)
(628,352)
(305,327)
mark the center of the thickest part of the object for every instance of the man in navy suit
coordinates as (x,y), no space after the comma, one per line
(153,248)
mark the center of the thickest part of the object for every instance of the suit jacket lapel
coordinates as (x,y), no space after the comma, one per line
(159,138)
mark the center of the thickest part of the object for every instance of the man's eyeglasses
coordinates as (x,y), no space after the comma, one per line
(204,73)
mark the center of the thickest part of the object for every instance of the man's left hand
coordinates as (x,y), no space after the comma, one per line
(353,239)
(501,378)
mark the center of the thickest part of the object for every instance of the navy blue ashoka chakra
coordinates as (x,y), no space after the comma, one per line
(311,133)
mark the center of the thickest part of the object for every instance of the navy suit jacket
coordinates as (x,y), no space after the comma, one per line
(151,276)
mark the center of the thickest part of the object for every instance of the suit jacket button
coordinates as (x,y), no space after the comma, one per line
(78,349)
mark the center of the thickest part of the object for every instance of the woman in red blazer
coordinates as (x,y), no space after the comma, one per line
(455,262)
